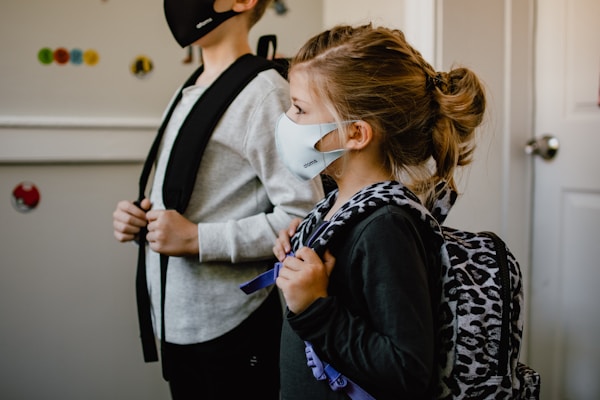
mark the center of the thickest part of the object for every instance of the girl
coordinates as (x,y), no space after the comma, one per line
(361,274)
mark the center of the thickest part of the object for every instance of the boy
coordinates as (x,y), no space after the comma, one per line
(219,343)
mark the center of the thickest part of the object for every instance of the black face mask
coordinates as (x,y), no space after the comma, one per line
(189,20)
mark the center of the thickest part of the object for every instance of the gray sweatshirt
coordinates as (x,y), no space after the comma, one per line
(242,197)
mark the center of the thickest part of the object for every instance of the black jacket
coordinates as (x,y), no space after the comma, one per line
(378,324)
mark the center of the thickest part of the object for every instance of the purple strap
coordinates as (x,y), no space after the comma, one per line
(337,382)
(269,277)
(261,281)
(321,371)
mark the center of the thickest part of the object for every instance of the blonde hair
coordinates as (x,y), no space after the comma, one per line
(426,119)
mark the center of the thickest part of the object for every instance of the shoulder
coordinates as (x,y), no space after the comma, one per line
(268,93)
(387,216)
(273,77)
(268,81)
(391,241)
(393,228)
(258,105)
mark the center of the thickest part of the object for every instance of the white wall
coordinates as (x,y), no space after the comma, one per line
(103,112)
(414,17)
(303,20)
(380,12)
(119,32)
(69,326)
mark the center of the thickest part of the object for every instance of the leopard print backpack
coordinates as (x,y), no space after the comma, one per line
(480,313)
(481,320)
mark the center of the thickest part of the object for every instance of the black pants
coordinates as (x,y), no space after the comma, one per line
(242,364)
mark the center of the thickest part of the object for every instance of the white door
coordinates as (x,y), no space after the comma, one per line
(565,284)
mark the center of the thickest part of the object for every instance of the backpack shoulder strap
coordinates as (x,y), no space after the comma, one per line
(279,63)
(153,152)
(182,169)
(142,295)
(505,295)
(197,128)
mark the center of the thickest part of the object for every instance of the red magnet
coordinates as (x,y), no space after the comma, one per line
(25,197)
(61,55)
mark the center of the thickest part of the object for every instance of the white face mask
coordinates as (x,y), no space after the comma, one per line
(296,147)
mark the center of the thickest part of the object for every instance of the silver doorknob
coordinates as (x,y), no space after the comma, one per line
(545,146)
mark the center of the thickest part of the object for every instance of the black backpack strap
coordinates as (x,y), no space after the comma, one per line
(153,153)
(182,170)
(142,296)
(143,303)
(196,130)
(504,272)
(262,49)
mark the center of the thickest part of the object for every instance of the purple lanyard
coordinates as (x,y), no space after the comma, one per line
(269,277)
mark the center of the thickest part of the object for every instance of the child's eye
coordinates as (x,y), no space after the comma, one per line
(298,110)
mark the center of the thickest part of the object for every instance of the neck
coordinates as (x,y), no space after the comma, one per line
(359,170)
(351,184)
(220,52)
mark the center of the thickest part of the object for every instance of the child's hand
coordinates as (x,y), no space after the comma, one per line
(171,234)
(282,243)
(304,278)
(129,219)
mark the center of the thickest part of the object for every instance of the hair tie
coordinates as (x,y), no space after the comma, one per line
(434,82)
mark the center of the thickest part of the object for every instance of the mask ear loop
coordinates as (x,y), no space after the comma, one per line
(342,127)
(324,130)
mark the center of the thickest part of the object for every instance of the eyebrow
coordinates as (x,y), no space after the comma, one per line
(297,100)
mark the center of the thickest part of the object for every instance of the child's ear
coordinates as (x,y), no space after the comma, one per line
(243,5)
(359,135)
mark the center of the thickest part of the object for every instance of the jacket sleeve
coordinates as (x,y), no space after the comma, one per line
(385,340)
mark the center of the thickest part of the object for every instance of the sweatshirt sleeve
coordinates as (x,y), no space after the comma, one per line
(252,237)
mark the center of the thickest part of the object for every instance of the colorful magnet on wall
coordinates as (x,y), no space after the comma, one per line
(91,57)
(61,55)
(280,7)
(76,56)
(25,197)
(141,66)
(46,56)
